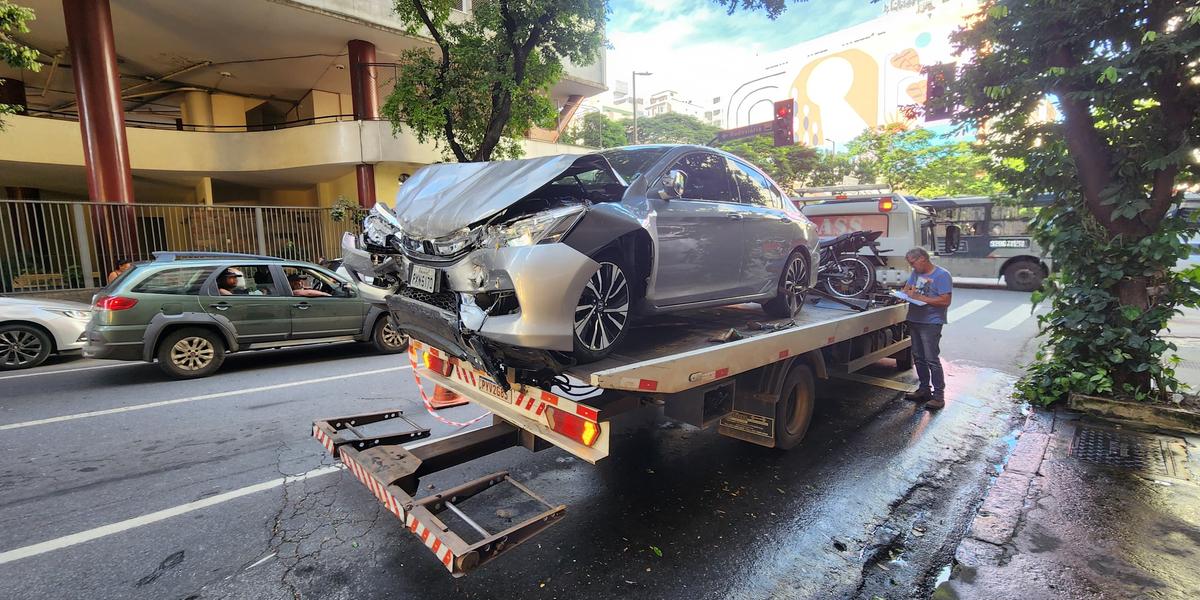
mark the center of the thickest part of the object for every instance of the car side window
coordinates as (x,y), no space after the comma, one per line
(184,281)
(246,280)
(311,283)
(706,177)
(754,188)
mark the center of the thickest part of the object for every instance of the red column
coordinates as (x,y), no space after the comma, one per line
(366,107)
(102,122)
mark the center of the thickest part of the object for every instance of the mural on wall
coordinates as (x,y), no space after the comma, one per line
(866,75)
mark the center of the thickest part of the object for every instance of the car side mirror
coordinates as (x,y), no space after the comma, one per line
(671,184)
(953,237)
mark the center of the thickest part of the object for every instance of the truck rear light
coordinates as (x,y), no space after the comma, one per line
(576,428)
(886,205)
(437,364)
(115,303)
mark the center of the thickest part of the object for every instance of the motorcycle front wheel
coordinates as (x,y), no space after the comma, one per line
(854,277)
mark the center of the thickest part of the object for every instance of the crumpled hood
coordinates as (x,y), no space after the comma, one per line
(441,199)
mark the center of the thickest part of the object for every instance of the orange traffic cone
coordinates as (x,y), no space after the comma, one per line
(444,398)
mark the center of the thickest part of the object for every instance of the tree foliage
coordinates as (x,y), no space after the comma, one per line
(917,161)
(789,166)
(673,128)
(14,19)
(598,131)
(1123,74)
(487,82)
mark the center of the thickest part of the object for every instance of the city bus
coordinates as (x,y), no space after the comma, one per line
(994,242)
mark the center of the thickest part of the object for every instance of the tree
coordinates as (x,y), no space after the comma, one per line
(1123,75)
(598,131)
(674,128)
(789,166)
(488,81)
(917,161)
(13,19)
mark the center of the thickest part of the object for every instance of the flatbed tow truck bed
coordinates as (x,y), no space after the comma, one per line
(757,385)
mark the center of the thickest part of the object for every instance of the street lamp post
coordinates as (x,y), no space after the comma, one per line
(635,107)
(834,143)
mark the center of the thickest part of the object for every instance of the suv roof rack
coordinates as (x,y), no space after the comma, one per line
(170,256)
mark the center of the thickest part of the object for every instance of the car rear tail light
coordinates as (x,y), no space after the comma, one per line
(576,428)
(438,364)
(886,205)
(115,303)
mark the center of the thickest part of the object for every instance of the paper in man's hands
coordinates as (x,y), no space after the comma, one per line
(906,298)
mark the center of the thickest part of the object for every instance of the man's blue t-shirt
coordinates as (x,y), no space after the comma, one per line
(934,284)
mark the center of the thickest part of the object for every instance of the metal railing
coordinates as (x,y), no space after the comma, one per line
(52,245)
(178,125)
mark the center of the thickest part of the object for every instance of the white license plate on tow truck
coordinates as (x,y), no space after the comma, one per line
(424,278)
(492,388)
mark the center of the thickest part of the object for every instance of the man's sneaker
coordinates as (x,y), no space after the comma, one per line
(919,395)
(935,403)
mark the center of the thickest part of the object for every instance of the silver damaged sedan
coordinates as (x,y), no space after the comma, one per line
(539,263)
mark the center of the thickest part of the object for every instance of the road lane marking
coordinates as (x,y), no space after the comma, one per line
(124,364)
(154,517)
(1013,318)
(113,411)
(966,309)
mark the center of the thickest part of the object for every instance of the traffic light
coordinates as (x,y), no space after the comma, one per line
(785,119)
(938,79)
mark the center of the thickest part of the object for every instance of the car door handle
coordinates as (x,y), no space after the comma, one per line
(735,216)
(301,306)
(220,306)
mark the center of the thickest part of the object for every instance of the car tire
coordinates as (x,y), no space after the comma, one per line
(787,302)
(1023,276)
(604,309)
(23,347)
(794,410)
(190,353)
(387,339)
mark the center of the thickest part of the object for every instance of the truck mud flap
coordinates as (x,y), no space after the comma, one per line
(392,473)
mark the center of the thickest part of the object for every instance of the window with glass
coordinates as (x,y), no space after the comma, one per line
(311,283)
(754,188)
(706,177)
(185,281)
(1011,220)
(246,280)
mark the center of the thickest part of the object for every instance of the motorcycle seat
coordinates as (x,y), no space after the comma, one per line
(826,242)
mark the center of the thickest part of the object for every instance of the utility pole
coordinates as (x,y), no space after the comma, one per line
(635,108)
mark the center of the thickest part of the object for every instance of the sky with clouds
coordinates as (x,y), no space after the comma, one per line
(695,48)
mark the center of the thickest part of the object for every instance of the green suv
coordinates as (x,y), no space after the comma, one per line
(189,310)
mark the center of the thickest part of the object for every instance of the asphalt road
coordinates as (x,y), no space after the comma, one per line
(121,484)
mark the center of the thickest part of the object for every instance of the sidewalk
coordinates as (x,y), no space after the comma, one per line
(1086,508)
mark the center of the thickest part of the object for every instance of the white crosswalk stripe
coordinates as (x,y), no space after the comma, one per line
(966,309)
(1013,318)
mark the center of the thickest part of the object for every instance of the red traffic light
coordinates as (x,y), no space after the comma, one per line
(784,125)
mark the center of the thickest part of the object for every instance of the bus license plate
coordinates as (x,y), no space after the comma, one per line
(492,388)
(424,278)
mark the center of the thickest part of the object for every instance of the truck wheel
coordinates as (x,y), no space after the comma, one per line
(190,353)
(388,339)
(1023,276)
(794,410)
(23,347)
(793,286)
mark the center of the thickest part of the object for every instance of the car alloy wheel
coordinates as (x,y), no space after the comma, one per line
(19,348)
(192,353)
(795,281)
(603,309)
(393,338)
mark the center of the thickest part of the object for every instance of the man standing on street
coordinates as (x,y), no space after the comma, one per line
(932,285)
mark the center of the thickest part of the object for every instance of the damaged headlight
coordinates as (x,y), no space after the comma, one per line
(379,224)
(542,228)
(453,243)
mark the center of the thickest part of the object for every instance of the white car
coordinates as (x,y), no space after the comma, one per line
(31,329)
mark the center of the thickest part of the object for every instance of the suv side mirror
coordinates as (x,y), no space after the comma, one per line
(953,237)
(671,184)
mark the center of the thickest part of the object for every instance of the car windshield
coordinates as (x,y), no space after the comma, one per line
(633,161)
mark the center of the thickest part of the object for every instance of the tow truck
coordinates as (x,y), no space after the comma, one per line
(721,369)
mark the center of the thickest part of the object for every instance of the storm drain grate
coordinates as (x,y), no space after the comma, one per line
(1112,448)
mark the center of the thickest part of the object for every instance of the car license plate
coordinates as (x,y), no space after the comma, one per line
(491,387)
(424,278)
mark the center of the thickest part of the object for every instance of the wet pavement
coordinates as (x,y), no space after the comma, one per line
(174,492)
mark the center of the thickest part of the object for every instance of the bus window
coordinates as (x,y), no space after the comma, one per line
(1011,220)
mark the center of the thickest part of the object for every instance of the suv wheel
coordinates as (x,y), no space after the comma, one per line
(22,347)
(190,353)
(388,339)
